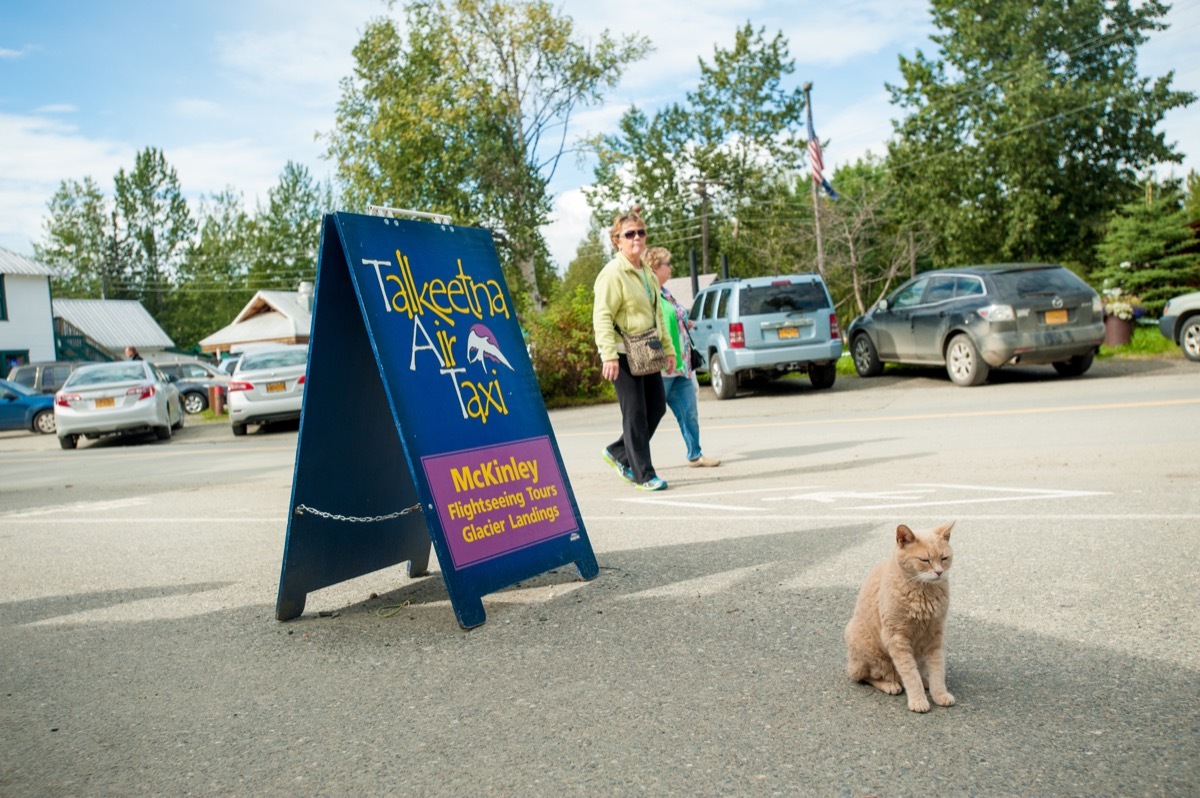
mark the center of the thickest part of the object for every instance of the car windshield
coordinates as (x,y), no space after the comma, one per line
(103,375)
(1033,282)
(783,296)
(274,360)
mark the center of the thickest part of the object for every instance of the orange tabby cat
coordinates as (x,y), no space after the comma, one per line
(895,636)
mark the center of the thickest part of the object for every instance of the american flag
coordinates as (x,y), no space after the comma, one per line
(814,158)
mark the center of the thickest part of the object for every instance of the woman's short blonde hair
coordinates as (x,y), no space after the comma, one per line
(656,256)
(633,215)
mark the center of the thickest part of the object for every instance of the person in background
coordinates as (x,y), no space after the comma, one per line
(131,353)
(626,297)
(680,385)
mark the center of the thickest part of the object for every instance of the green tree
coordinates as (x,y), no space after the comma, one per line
(468,115)
(1191,201)
(1145,251)
(158,224)
(79,239)
(590,256)
(1029,126)
(212,285)
(286,234)
(725,154)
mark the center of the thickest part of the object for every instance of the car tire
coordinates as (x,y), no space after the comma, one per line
(866,359)
(1075,366)
(239,429)
(194,402)
(822,376)
(724,385)
(68,441)
(1189,339)
(163,433)
(963,363)
(43,422)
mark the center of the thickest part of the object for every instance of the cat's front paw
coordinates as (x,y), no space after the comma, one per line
(943,699)
(918,703)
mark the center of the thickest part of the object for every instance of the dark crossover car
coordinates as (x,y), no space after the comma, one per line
(765,327)
(1180,322)
(978,318)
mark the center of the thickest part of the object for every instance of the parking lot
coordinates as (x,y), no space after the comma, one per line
(139,652)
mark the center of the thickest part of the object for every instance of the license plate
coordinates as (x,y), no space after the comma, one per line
(789,332)
(107,401)
(1056,316)
(276,387)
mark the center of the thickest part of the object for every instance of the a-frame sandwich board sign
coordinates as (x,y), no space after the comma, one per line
(422,422)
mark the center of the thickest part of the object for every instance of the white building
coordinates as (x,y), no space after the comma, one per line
(26,315)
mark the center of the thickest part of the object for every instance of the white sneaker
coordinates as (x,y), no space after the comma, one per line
(704,462)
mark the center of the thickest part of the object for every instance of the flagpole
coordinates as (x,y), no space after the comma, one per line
(815,193)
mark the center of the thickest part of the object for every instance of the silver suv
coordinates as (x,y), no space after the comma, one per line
(765,327)
(1180,322)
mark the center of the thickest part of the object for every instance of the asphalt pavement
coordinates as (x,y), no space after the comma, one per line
(139,654)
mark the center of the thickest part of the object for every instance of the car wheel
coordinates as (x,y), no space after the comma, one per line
(43,422)
(1075,366)
(195,402)
(1189,338)
(963,363)
(724,385)
(68,441)
(163,433)
(866,359)
(239,429)
(822,376)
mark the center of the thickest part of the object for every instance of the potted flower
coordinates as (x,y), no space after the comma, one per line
(1120,309)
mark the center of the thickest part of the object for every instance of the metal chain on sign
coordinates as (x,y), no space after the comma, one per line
(301,509)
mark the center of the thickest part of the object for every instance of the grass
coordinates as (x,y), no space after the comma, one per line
(1147,342)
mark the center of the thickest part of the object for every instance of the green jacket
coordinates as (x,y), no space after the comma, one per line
(627,297)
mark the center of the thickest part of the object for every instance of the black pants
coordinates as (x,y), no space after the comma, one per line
(643,403)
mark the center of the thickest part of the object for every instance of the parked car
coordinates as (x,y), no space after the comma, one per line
(45,377)
(193,378)
(116,399)
(1180,322)
(23,408)
(978,318)
(765,327)
(267,386)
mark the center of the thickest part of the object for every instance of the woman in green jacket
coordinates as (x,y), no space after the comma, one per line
(627,298)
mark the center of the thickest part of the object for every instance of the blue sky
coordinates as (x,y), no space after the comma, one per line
(230,91)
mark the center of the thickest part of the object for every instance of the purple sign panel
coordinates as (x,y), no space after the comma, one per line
(497,499)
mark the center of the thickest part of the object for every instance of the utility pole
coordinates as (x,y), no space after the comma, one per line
(702,189)
(807,87)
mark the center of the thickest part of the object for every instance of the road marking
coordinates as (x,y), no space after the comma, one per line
(82,507)
(918,495)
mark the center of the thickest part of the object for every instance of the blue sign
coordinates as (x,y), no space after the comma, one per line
(422,423)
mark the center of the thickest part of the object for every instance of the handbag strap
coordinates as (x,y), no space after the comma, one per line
(654,310)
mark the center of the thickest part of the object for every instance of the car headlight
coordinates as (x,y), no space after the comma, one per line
(997,313)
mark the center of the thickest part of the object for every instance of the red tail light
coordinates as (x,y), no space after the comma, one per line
(300,381)
(240,386)
(834,332)
(141,392)
(65,399)
(737,336)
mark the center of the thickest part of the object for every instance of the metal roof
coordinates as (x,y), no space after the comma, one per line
(113,323)
(12,263)
(268,316)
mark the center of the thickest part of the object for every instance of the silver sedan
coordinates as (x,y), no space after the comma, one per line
(116,399)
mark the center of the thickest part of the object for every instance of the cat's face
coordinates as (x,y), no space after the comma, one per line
(925,555)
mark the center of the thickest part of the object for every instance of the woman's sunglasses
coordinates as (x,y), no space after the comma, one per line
(632,234)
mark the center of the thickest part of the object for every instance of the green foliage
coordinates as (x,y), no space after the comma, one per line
(562,346)
(1144,251)
(1029,126)
(1191,201)
(466,114)
(590,257)
(286,234)
(78,241)
(1147,341)
(735,140)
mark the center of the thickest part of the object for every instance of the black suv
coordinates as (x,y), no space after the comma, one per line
(46,377)
(765,327)
(977,318)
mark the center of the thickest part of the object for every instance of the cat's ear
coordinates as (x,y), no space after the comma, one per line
(943,532)
(904,536)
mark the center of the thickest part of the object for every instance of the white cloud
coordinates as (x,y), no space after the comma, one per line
(192,108)
(569,224)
